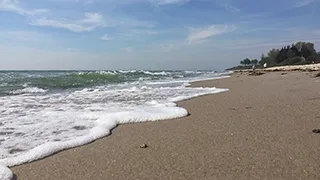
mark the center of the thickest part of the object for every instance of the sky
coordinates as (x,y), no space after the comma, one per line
(149,34)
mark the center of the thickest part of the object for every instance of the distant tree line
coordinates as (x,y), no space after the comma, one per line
(298,53)
(248,62)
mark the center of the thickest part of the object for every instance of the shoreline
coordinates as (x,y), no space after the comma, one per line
(308,67)
(177,143)
(38,153)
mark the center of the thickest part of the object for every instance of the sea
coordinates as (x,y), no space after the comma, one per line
(43,112)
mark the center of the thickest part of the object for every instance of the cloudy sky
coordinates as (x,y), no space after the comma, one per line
(149,34)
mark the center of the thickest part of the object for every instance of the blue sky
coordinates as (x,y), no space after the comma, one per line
(149,34)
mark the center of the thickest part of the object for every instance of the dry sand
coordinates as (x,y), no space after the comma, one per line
(310,67)
(260,129)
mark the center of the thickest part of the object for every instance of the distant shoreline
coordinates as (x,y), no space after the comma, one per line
(308,67)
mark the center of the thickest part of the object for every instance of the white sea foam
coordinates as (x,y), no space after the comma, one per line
(107,72)
(193,72)
(5,173)
(28,90)
(127,71)
(98,72)
(36,125)
(157,73)
(186,97)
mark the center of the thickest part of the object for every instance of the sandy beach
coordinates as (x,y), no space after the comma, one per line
(260,129)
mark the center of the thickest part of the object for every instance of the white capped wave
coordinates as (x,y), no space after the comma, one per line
(3,84)
(107,72)
(28,90)
(163,73)
(98,72)
(193,72)
(144,78)
(127,71)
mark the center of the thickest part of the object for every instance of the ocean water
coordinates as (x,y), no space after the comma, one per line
(42,112)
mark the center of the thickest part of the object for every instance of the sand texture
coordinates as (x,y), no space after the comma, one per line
(260,129)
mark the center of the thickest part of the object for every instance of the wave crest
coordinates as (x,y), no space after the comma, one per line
(28,90)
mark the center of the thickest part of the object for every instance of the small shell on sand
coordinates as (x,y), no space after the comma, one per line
(143,146)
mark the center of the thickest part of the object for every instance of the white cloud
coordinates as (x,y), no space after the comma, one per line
(302,3)
(72,50)
(14,6)
(202,34)
(131,22)
(90,22)
(168,47)
(74,1)
(143,32)
(128,49)
(85,1)
(167,2)
(231,8)
(105,37)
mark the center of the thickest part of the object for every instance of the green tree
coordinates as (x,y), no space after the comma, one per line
(246,61)
(300,52)
(312,57)
(290,54)
(295,50)
(299,45)
(272,54)
(294,60)
(282,55)
(254,61)
(307,49)
(263,59)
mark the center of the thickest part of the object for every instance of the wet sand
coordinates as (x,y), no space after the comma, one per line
(260,129)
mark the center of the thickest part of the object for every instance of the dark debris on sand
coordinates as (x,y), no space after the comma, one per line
(317,131)
(255,73)
(317,74)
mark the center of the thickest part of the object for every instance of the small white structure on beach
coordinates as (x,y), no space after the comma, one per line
(265,65)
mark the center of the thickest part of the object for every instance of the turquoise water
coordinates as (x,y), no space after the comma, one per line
(10,81)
